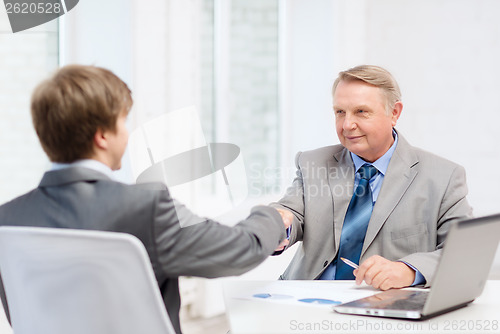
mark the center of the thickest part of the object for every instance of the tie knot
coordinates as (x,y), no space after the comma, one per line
(367,171)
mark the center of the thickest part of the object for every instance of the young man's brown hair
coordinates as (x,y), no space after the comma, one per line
(69,108)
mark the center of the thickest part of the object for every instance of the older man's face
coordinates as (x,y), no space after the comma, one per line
(362,123)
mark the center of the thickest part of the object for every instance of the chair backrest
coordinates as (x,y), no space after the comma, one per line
(60,281)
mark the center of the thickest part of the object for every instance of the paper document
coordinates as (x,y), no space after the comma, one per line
(313,293)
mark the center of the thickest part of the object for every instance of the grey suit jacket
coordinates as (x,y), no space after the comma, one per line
(420,195)
(82,198)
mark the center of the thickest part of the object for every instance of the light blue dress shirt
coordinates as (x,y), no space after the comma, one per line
(87,163)
(375,184)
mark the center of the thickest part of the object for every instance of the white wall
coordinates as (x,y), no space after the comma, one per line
(309,51)
(99,33)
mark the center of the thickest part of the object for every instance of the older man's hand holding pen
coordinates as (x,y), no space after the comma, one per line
(382,274)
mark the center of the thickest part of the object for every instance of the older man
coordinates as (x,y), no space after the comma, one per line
(375,199)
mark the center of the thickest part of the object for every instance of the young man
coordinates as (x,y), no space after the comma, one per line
(374,199)
(79,116)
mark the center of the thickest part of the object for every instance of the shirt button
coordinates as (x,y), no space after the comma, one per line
(324,264)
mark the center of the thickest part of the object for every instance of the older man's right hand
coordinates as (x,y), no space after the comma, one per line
(287,217)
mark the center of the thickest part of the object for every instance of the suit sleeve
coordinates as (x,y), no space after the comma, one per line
(187,245)
(294,201)
(454,207)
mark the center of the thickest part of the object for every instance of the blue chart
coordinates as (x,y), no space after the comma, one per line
(319,301)
(271,296)
(315,301)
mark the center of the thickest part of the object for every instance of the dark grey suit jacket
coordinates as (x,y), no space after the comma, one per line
(420,196)
(81,198)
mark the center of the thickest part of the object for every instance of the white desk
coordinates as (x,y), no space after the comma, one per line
(251,315)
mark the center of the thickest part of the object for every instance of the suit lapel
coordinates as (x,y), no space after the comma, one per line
(399,176)
(341,183)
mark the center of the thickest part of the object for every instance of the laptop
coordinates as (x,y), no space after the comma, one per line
(460,277)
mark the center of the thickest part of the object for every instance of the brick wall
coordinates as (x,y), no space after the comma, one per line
(25,59)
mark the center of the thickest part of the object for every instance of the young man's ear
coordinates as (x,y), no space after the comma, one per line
(100,140)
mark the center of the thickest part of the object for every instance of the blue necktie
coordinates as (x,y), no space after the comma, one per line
(355,223)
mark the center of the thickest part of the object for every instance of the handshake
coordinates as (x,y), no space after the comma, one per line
(287,217)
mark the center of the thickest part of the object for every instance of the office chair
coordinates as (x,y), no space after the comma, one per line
(60,281)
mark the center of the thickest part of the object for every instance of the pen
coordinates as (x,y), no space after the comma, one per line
(350,263)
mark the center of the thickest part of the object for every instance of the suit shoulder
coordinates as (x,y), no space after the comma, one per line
(323,153)
(432,159)
(15,201)
(151,186)
(420,158)
(140,190)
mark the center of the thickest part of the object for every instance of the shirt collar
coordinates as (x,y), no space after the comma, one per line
(87,163)
(381,163)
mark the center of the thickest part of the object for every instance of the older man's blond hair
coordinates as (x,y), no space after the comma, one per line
(376,76)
